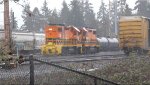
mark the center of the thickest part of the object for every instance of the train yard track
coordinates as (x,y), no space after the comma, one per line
(77,58)
(80,58)
(101,60)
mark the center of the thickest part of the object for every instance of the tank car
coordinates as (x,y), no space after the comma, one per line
(113,44)
(108,44)
(25,43)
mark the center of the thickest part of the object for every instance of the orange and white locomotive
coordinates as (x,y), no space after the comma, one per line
(65,40)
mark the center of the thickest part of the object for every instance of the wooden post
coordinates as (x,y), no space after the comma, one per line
(31,70)
(7,26)
(95,81)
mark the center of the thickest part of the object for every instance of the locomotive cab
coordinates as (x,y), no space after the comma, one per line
(64,39)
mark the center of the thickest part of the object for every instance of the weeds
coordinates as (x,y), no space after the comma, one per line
(134,70)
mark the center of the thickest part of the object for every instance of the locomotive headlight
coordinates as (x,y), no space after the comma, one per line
(50,29)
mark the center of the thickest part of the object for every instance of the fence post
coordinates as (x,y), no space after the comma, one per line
(31,70)
(95,81)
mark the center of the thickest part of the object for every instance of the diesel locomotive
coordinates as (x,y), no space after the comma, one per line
(65,40)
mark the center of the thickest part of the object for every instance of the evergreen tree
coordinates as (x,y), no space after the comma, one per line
(46,13)
(122,10)
(45,10)
(65,13)
(13,21)
(89,16)
(27,18)
(36,20)
(76,17)
(54,18)
(103,19)
(128,11)
(143,8)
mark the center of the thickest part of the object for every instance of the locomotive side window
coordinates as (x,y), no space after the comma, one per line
(84,33)
(90,30)
(94,32)
(59,30)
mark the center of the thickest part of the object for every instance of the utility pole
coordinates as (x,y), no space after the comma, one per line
(13,23)
(116,29)
(109,30)
(7,26)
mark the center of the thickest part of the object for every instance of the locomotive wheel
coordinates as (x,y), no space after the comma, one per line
(75,50)
(139,52)
(84,50)
(126,52)
(64,51)
(96,51)
(142,52)
(79,50)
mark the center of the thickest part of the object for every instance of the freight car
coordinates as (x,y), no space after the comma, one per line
(108,44)
(134,34)
(25,43)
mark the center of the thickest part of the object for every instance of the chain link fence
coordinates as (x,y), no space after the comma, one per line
(15,76)
(47,73)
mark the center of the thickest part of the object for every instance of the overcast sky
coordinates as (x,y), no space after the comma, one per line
(51,4)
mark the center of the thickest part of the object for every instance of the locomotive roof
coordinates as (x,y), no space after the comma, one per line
(85,29)
(21,33)
(132,18)
(75,28)
(57,24)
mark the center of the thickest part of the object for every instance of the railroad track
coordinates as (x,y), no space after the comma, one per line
(78,58)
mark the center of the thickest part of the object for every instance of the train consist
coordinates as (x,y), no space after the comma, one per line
(134,34)
(64,40)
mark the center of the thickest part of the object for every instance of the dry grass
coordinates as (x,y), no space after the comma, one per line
(135,71)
